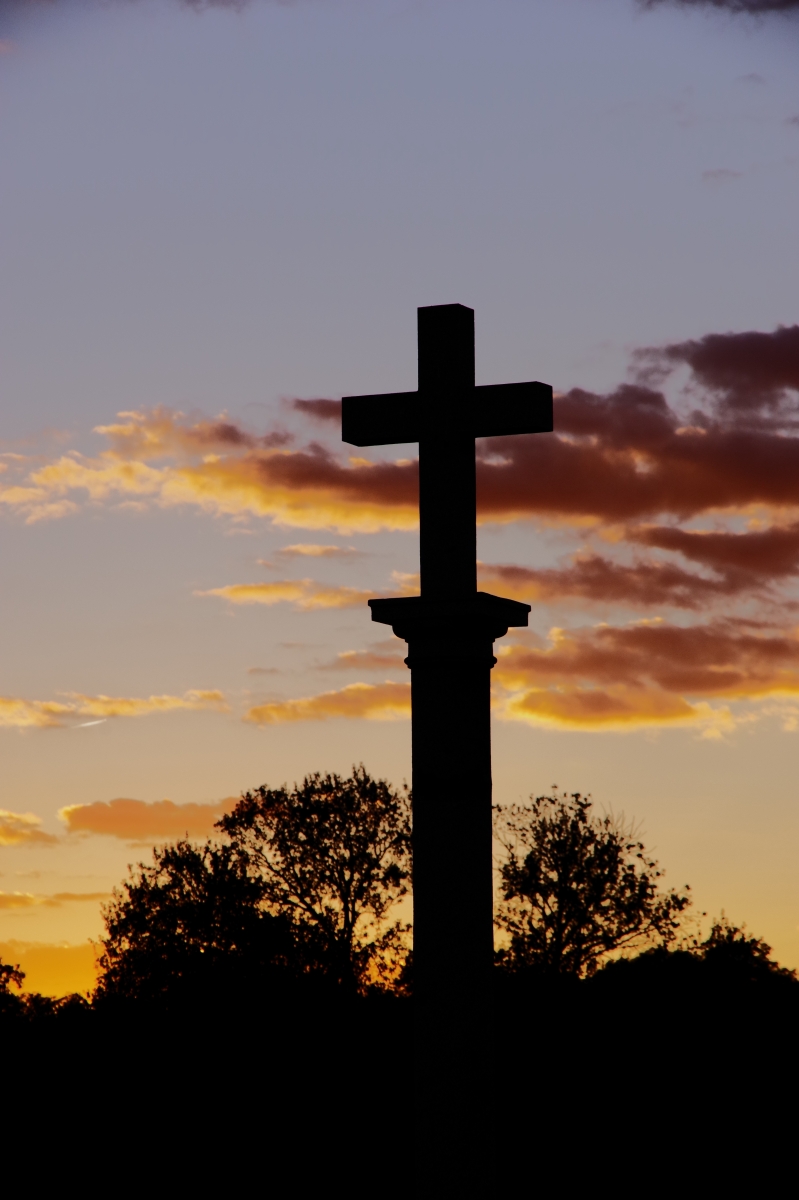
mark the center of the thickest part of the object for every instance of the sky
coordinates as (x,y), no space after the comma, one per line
(214,215)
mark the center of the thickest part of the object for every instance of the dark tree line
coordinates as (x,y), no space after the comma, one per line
(301,895)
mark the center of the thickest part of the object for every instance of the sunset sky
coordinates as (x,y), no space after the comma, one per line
(217,220)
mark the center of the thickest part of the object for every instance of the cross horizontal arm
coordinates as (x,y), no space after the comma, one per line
(502,409)
(492,410)
(380,420)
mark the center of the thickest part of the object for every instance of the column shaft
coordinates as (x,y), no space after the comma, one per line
(452,862)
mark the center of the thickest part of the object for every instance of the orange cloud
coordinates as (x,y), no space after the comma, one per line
(222,469)
(17,829)
(133,706)
(136,819)
(609,708)
(308,490)
(17,900)
(620,457)
(27,714)
(381,657)
(304,594)
(53,970)
(12,900)
(310,550)
(374,702)
(16,713)
(645,673)
(70,897)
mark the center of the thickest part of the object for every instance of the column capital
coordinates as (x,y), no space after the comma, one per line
(476,616)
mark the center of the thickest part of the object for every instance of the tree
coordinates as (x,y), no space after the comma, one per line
(730,954)
(576,887)
(191,926)
(32,1005)
(728,963)
(333,856)
(10,1002)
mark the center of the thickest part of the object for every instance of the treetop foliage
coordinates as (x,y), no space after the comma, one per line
(331,854)
(300,891)
(10,976)
(194,917)
(577,887)
(728,949)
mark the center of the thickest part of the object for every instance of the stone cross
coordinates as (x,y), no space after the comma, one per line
(450,630)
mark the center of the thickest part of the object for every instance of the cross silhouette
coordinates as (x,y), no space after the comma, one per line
(450,630)
(444,416)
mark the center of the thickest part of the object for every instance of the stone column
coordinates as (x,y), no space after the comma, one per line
(450,654)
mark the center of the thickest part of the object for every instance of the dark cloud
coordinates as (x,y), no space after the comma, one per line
(762,554)
(225,435)
(721,658)
(628,456)
(319,410)
(742,564)
(596,579)
(746,373)
(751,7)
(316,468)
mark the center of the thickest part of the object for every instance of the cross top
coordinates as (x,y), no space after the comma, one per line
(447,402)
(445,415)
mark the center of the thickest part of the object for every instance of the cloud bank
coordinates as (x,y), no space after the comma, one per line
(678,491)
(625,456)
(18,713)
(23,829)
(10,901)
(305,594)
(136,819)
(374,702)
(749,7)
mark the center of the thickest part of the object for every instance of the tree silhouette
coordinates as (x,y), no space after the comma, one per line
(576,887)
(728,965)
(333,856)
(732,955)
(191,924)
(10,1002)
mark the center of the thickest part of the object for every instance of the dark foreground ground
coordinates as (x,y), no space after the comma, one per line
(627,1085)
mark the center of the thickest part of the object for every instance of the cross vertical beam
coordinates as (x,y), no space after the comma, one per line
(447,501)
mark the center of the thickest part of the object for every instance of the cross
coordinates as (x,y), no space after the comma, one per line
(444,416)
(450,691)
